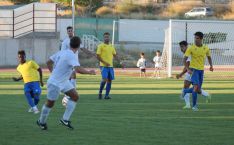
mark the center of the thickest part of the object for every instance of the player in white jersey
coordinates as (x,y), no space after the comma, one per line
(158,65)
(141,63)
(61,66)
(187,79)
(66,46)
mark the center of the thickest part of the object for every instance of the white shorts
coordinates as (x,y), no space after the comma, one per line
(53,90)
(158,65)
(187,77)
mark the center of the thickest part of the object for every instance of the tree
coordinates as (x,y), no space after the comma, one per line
(23,1)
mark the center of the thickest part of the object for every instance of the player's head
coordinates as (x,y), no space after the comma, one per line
(142,54)
(158,53)
(21,56)
(183,46)
(106,37)
(75,43)
(198,37)
(70,31)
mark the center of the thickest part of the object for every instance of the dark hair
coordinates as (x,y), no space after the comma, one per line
(75,42)
(21,52)
(158,51)
(199,34)
(185,43)
(142,53)
(106,33)
(69,27)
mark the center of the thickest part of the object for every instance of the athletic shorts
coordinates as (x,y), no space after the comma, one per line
(107,73)
(187,77)
(143,70)
(32,87)
(53,90)
(197,77)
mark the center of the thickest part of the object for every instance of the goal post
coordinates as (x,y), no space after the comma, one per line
(218,36)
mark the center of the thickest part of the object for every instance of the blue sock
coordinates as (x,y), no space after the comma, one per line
(29,99)
(36,99)
(108,88)
(189,90)
(194,95)
(102,85)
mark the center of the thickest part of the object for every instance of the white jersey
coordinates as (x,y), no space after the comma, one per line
(187,76)
(157,60)
(66,46)
(64,62)
(141,63)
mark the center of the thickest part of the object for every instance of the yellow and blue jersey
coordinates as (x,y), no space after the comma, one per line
(29,72)
(198,56)
(106,52)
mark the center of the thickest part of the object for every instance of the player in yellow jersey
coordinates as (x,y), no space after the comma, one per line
(198,53)
(105,54)
(31,74)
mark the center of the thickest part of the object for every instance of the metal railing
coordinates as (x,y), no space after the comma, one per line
(30,18)
(90,42)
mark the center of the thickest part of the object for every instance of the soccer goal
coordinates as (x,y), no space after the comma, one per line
(218,35)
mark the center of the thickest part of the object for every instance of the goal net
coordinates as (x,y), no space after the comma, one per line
(218,36)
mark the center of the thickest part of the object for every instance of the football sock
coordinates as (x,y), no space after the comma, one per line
(36,99)
(44,114)
(102,85)
(71,105)
(187,99)
(189,90)
(204,93)
(194,95)
(108,88)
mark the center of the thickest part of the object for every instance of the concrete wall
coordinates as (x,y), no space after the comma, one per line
(62,27)
(39,49)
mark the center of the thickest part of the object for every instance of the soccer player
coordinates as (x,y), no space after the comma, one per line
(66,46)
(61,66)
(141,63)
(105,53)
(187,78)
(31,74)
(198,53)
(158,65)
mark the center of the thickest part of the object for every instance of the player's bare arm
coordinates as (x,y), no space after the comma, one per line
(41,76)
(210,62)
(183,72)
(101,60)
(49,64)
(81,70)
(17,79)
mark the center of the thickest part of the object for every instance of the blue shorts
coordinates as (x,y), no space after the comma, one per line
(197,77)
(107,73)
(33,88)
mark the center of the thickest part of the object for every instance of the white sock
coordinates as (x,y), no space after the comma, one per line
(187,99)
(204,93)
(73,81)
(71,105)
(44,114)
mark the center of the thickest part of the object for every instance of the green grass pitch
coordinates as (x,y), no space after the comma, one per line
(141,112)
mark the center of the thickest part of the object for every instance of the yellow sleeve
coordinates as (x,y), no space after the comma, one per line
(99,49)
(18,68)
(188,52)
(113,51)
(35,65)
(208,52)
